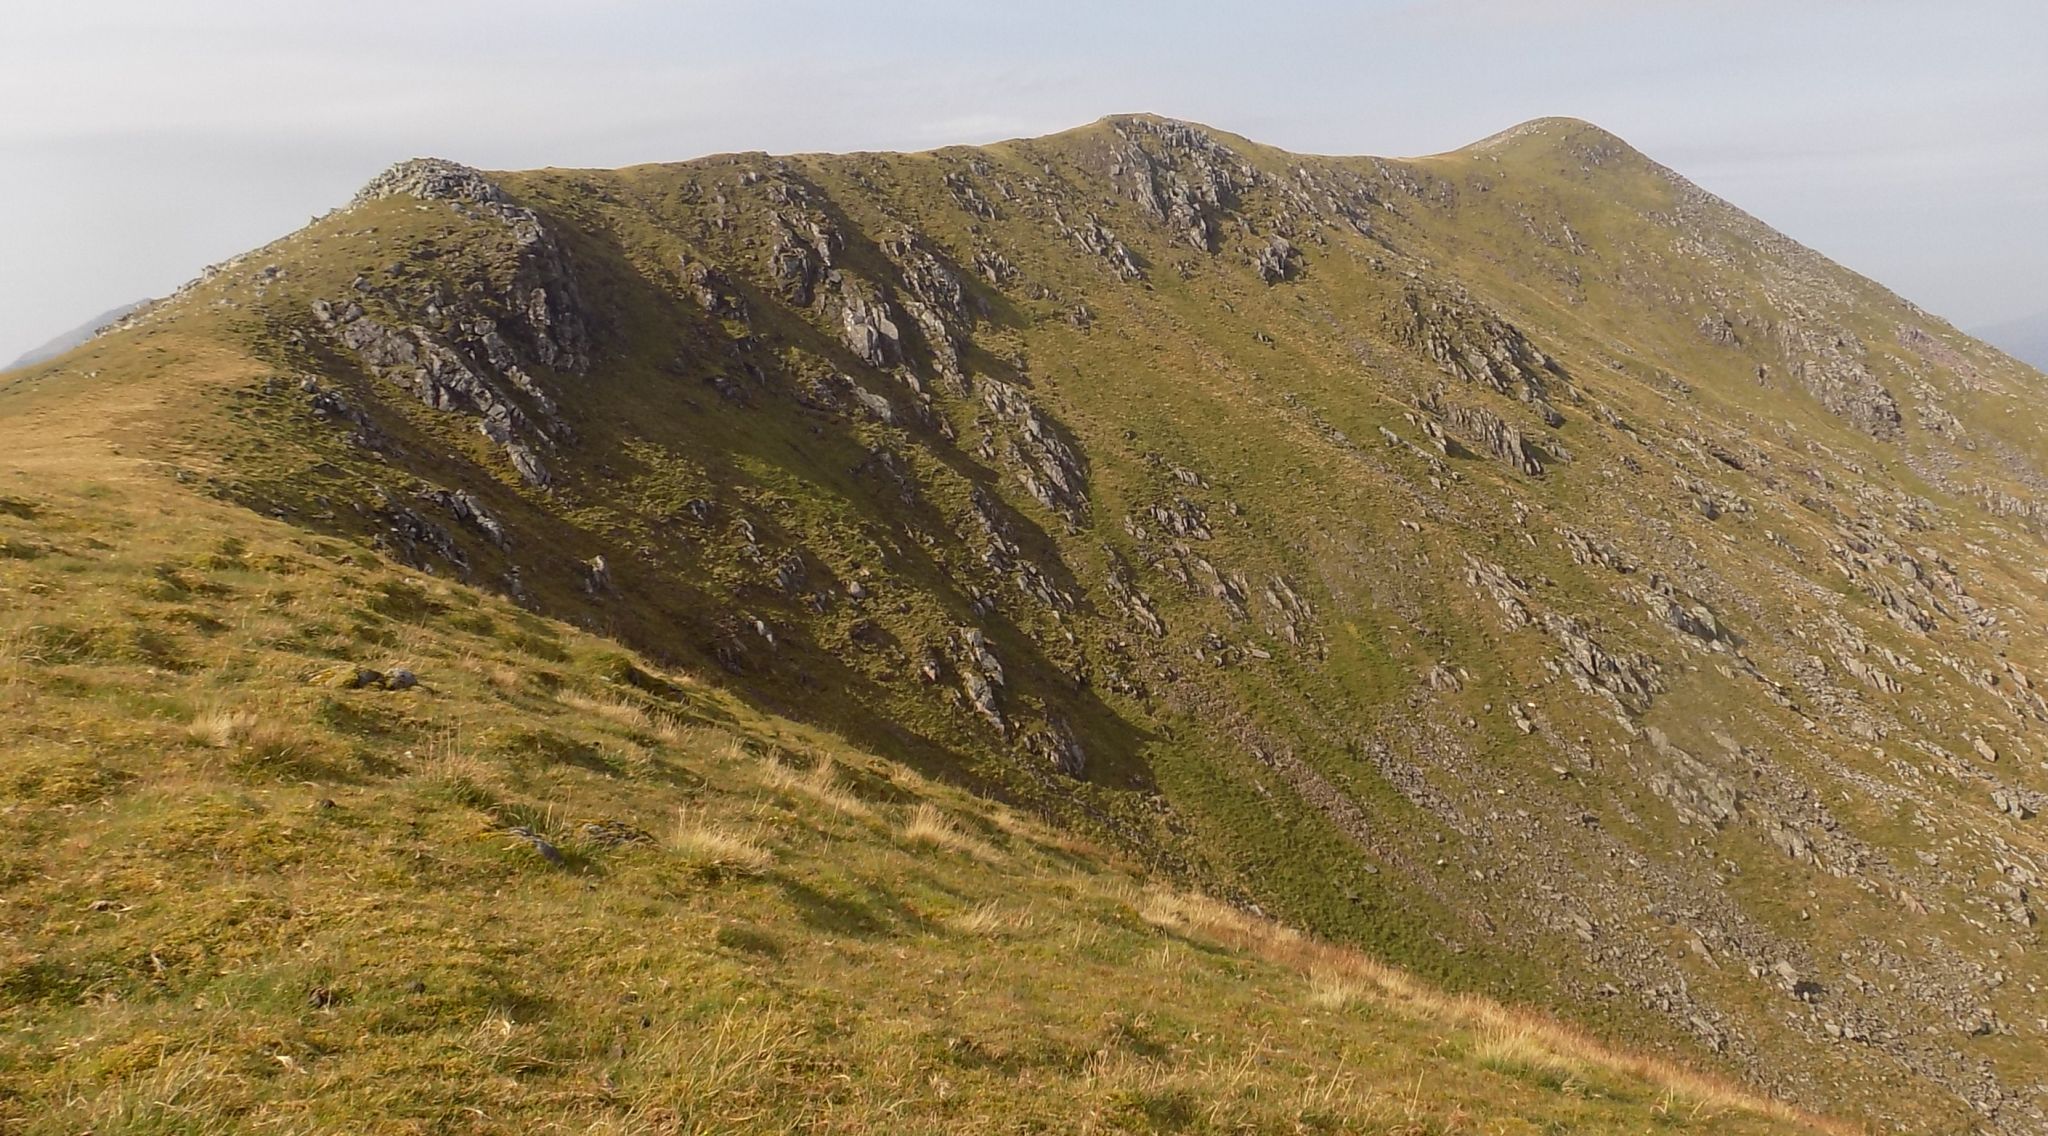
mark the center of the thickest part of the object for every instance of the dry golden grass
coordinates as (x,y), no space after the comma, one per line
(247,730)
(930,827)
(989,919)
(223,728)
(1518,1045)
(1338,976)
(503,676)
(668,727)
(820,783)
(708,847)
(727,1071)
(707,740)
(446,765)
(628,716)
(1333,990)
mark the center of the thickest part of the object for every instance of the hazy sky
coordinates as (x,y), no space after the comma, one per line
(143,139)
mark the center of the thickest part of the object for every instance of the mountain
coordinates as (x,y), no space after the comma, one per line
(1515,565)
(76,336)
(2025,339)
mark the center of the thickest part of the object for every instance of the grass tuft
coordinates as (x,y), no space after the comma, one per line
(711,849)
(930,827)
(819,783)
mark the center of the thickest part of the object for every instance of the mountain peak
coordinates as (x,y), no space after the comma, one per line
(432,179)
(1559,134)
(1513,563)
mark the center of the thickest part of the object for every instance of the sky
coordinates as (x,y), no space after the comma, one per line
(141,140)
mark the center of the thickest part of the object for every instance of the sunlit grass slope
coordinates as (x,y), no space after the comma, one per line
(300,840)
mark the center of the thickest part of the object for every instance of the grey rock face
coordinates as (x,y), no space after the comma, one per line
(1099,241)
(1631,679)
(713,291)
(465,507)
(1277,260)
(1182,176)
(544,300)
(1696,791)
(1831,367)
(1058,746)
(1492,435)
(869,330)
(475,355)
(1045,464)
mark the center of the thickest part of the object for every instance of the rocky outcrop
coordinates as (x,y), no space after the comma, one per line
(542,310)
(447,378)
(1479,347)
(1506,591)
(433,179)
(411,538)
(1832,366)
(1276,260)
(713,291)
(980,674)
(1629,679)
(1697,792)
(1057,746)
(936,301)
(1182,176)
(1694,620)
(1589,548)
(1487,433)
(1047,467)
(1135,605)
(1098,241)
(470,512)
(1006,559)
(869,330)
(476,353)
(1182,518)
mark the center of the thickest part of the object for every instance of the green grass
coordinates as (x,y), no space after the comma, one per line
(1321,779)
(241,900)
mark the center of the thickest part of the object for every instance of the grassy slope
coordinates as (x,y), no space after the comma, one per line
(1204,366)
(240,898)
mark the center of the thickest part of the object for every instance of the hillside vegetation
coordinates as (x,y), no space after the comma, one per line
(1514,565)
(514,879)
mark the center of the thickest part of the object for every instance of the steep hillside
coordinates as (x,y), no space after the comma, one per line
(511,878)
(1516,562)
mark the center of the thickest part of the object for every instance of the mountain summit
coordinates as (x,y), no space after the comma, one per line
(1516,564)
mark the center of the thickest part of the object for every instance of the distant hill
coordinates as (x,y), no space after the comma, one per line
(2023,339)
(75,336)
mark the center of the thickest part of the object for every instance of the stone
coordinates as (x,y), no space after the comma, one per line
(1276,260)
(540,844)
(868,326)
(597,577)
(1057,744)
(350,678)
(2013,803)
